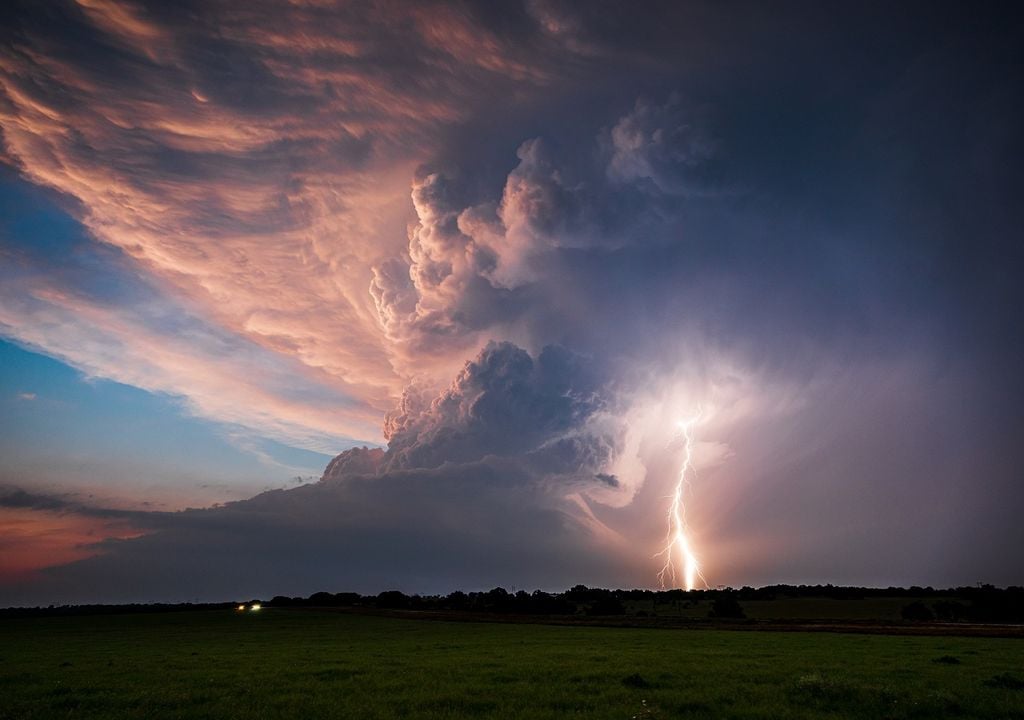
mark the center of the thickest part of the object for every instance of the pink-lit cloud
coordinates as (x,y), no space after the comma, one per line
(267,189)
(217,375)
(31,540)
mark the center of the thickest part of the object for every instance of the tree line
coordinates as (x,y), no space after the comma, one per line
(981,603)
(975,604)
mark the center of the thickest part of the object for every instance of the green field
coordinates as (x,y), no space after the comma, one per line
(307,664)
(786,608)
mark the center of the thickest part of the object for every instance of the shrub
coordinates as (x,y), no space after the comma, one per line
(726,606)
(916,611)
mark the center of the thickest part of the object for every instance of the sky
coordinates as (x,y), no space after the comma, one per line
(384,295)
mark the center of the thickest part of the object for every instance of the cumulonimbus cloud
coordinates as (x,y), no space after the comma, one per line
(481,476)
(473,270)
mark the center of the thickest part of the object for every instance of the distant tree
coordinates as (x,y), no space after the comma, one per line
(321,599)
(457,600)
(916,611)
(725,605)
(547,604)
(392,599)
(606,605)
(498,600)
(578,594)
(950,611)
(674,596)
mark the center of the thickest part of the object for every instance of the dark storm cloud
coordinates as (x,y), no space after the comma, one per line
(660,146)
(467,525)
(475,268)
(71,504)
(504,403)
(470,490)
(21,499)
(833,213)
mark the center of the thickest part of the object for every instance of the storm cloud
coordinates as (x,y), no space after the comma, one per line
(493,255)
(474,485)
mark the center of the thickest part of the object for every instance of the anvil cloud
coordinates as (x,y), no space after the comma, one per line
(511,243)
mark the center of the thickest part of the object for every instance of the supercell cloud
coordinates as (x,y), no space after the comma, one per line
(491,255)
(473,488)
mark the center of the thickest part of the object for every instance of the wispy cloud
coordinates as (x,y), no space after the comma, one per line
(159,347)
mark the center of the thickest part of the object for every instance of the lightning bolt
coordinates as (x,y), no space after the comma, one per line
(677,545)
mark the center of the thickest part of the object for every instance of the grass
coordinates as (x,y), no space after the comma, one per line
(310,664)
(789,608)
